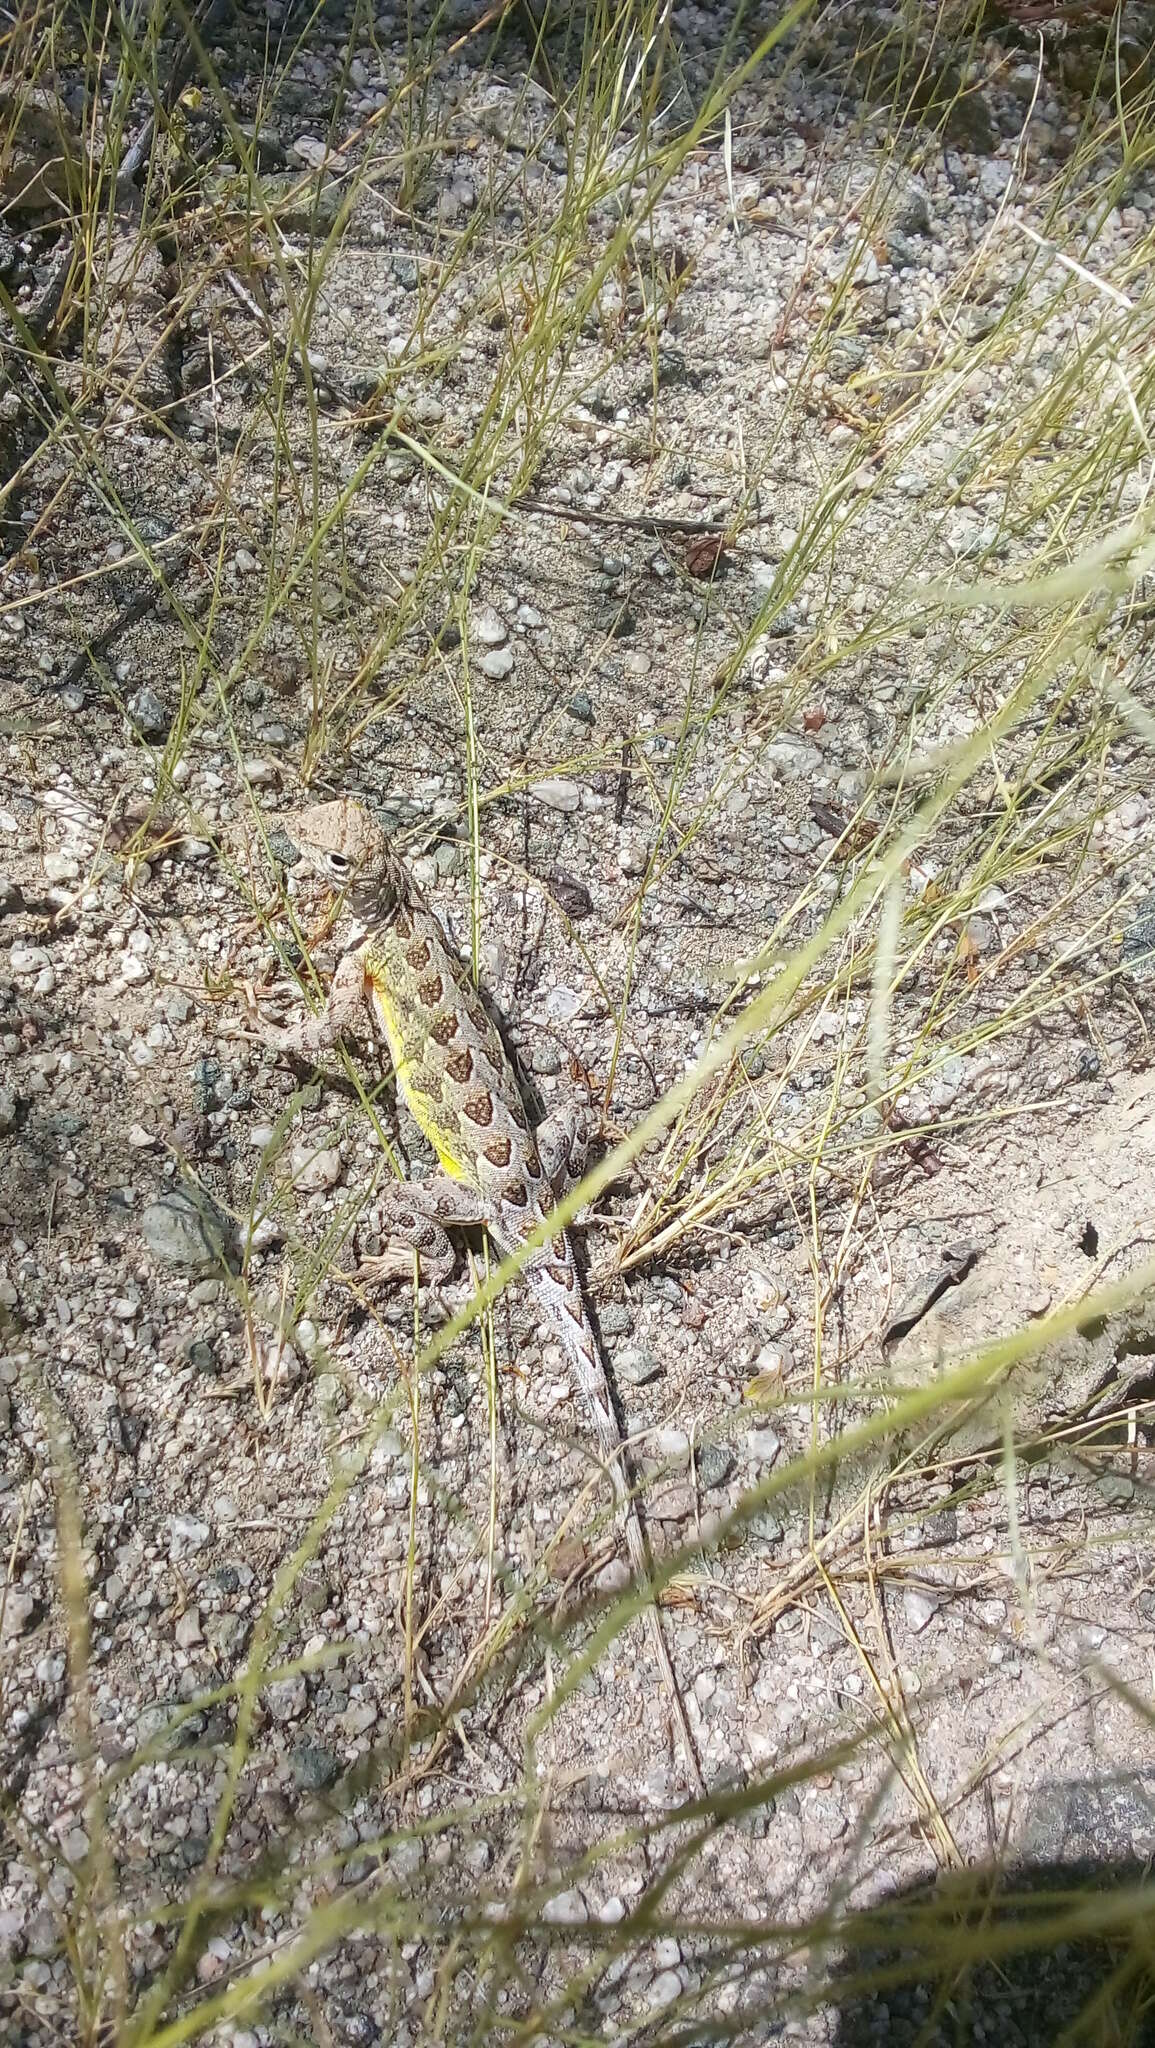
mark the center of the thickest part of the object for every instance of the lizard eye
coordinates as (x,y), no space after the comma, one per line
(340,863)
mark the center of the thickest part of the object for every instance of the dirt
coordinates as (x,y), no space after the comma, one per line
(197,1377)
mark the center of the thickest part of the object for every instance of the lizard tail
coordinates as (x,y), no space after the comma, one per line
(558,1288)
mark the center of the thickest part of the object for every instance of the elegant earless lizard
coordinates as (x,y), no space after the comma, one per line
(400,977)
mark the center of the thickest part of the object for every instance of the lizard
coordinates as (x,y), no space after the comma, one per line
(400,976)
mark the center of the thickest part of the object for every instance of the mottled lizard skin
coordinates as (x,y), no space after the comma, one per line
(455,1076)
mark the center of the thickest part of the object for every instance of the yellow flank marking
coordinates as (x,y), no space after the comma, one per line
(426,1112)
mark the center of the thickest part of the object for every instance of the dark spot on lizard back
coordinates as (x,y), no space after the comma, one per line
(430,992)
(498,1151)
(425,1082)
(459,1065)
(515,1194)
(478,1107)
(418,955)
(444,1029)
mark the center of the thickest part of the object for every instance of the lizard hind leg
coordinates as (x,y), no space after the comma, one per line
(563,1143)
(414,1217)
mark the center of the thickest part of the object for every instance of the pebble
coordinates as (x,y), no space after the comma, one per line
(563,1004)
(488,629)
(581,708)
(770,1362)
(764,1292)
(19,1609)
(311,150)
(634,1366)
(912,208)
(147,711)
(185,1228)
(287,1698)
(613,1577)
(762,1446)
(27,959)
(313,1767)
(558,794)
(919,1607)
(497,663)
(565,1909)
(202,1357)
(188,1629)
(8,1109)
(616,1319)
(715,1464)
(186,1534)
(315,1169)
(673,1445)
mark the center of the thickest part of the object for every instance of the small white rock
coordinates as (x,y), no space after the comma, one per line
(919,1608)
(557,794)
(188,1629)
(186,1534)
(19,1608)
(763,1291)
(61,867)
(565,1909)
(314,1169)
(488,629)
(27,959)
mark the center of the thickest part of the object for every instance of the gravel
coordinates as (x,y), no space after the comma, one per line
(179,1332)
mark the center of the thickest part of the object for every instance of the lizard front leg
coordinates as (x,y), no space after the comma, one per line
(343,1016)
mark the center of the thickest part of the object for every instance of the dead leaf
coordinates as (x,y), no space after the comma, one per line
(569,1557)
(572,896)
(705,556)
(765,1389)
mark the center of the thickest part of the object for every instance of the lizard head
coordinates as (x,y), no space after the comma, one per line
(341,843)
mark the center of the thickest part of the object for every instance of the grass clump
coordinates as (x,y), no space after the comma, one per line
(236,458)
